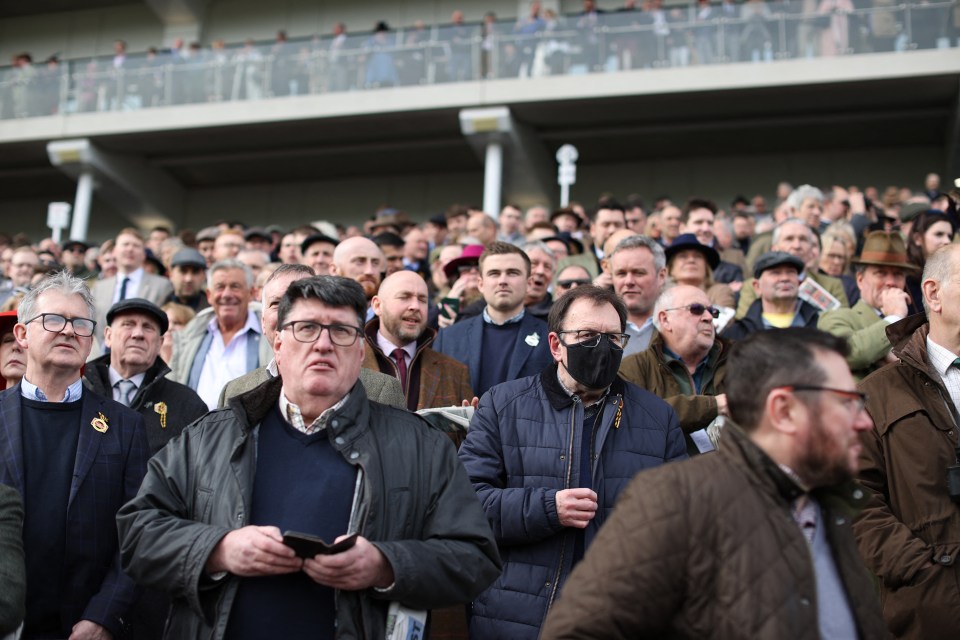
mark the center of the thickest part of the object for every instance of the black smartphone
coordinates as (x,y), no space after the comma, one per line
(308,546)
(452,303)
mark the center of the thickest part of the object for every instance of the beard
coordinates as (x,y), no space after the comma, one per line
(394,325)
(825,462)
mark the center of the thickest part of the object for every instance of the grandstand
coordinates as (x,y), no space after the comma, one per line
(312,125)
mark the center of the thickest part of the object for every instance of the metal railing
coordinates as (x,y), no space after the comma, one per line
(751,33)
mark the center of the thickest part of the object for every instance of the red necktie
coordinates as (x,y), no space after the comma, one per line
(400,356)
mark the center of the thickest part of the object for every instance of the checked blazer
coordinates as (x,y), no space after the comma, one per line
(108,470)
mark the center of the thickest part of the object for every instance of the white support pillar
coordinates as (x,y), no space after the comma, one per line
(493,178)
(81,206)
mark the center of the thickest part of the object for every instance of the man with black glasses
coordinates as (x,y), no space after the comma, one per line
(754,541)
(686,363)
(307,452)
(75,457)
(548,455)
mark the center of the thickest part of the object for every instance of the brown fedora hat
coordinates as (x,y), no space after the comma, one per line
(885,249)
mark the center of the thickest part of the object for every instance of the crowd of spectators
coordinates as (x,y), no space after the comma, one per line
(624,315)
(635,35)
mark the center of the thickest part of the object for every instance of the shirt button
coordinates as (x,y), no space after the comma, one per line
(354,455)
(338,440)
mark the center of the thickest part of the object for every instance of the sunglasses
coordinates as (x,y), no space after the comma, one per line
(697,309)
(566,284)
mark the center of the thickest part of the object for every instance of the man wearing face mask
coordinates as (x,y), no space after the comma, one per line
(549,454)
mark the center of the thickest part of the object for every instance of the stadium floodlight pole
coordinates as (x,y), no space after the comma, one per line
(493,178)
(489,126)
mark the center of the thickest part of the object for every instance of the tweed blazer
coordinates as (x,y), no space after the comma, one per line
(444,382)
(107,473)
(156,289)
(13,580)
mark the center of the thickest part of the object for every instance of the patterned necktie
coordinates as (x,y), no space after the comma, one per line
(956,363)
(400,356)
(123,288)
(126,391)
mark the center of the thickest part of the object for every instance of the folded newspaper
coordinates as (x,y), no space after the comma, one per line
(450,419)
(404,623)
(816,295)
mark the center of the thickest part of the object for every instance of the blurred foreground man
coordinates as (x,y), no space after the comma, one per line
(307,452)
(753,542)
(909,533)
(550,453)
(75,457)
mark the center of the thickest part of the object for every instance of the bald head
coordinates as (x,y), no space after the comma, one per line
(401,306)
(362,260)
(610,244)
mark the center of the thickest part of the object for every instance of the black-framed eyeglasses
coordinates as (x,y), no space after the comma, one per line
(697,309)
(858,398)
(576,282)
(54,323)
(590,338)
(342,335)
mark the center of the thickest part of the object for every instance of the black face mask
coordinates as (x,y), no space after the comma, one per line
(594,367)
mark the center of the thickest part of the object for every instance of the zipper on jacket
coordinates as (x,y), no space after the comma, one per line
(566,485)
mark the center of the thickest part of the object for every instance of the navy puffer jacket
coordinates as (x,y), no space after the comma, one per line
(523,446)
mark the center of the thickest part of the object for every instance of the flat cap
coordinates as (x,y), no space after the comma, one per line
(188,258)
(772,259)
(139,305)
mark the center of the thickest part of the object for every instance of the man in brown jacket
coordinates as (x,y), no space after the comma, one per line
(754,542)
(685,364)
(398,344)
(909,533)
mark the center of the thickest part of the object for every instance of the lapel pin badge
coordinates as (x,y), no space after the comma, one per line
(161,409)
(99,423)
(533,339)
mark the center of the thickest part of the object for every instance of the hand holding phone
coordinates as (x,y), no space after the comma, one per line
(308,546)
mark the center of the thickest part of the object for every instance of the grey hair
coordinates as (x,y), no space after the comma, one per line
(665,301)
(775,240)
(643,242)
(938,268)
(801,193)
(230,263)
(61,282)
(301,270)
(542,246)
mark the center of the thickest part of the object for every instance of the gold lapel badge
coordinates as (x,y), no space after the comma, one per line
(161,409)
(99,423)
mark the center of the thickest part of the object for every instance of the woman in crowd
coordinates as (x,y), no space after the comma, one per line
(13,362)
(689,262)
(178,316)
(931,230)
(837,250)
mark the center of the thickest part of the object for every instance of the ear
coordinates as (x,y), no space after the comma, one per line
(108,336)
(756,286)
(662,278)
(782,408)
(375,304)
(931,293)
(20,333)
(210,296)
(555,347)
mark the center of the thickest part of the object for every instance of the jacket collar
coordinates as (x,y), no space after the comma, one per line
(97,375)
(373,326)
(737,445)
(558,397)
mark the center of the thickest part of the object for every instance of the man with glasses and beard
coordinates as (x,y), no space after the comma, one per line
(549,454)
(754,541)
(398,344)
(75,457)
(307,452)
